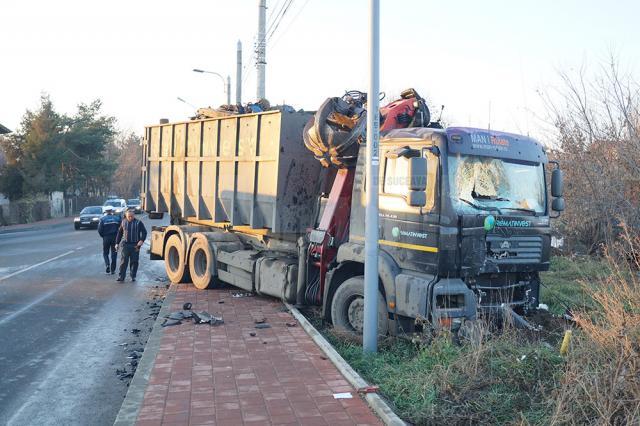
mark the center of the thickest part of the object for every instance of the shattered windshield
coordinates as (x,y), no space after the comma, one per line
(493,184)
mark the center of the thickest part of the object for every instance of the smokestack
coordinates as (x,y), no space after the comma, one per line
(239,74)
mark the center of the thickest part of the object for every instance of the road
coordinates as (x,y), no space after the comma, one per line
(64,324)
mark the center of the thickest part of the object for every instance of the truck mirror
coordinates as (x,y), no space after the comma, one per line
(417,174)
(417,198)
(557,183)
(557,204)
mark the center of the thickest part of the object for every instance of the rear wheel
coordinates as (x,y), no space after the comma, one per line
(347,307)
(202,264)
(175,262)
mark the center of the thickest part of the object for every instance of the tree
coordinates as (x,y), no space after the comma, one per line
(54,152)
(126,180)
(598,126)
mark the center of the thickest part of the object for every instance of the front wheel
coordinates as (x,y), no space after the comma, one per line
(347,307)
(175,260)
(76,226)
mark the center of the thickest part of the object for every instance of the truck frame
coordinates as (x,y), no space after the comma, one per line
(464,218)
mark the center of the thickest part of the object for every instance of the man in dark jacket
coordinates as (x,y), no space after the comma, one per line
(108,229)
(131,234)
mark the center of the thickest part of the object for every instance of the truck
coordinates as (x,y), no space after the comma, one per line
(464,217)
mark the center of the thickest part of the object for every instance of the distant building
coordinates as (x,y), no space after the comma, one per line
(4,130)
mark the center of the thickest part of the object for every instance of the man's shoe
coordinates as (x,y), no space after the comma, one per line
(133,279)
(113,272)
(120,279)
(108,270)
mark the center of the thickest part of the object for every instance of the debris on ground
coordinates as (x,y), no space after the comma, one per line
(169,322)
(187,306)
(259,320)
(369,389)
(135,331)
(252,334)
(204,317)
(291,324)
(342,395)
(221,301)
(241,294)
(263,325)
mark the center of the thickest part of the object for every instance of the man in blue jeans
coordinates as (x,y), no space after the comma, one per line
(108,229)
(131,234)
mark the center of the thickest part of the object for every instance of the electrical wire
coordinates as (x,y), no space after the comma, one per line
(284,31)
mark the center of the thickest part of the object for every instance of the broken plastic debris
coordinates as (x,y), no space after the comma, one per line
(169,322)
(342,395)
(263,325)
(252,334)
(291,324)
(242,294)
(259,320)
(187,306)
(206,318)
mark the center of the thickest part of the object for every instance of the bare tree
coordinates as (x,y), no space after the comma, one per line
(126,179)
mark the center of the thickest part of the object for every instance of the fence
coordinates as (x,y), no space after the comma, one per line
(42,208)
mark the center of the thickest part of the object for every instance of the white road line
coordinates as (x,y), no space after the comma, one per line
(36,265)
(25,308)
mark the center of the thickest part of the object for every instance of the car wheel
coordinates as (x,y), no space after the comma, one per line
(76,226)
(347,308)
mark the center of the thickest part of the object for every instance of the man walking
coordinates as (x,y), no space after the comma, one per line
(108,229)
(131,234)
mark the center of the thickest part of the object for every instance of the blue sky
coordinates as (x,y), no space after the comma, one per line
(484,60)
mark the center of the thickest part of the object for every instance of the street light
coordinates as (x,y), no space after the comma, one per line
(225,84)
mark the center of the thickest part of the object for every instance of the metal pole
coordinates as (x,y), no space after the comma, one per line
(261,49)
(370,332)
(239,74)
(228,90)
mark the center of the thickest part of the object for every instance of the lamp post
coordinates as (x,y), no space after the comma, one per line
(225,83)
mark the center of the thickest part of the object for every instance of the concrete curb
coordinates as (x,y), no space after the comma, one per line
(375,401)
(130,407)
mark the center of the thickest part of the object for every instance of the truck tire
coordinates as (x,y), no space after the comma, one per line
(202,264)
(347,307)
(175,262)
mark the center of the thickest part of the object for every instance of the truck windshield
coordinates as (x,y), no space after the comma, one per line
(493,184)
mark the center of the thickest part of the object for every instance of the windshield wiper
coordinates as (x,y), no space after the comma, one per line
(522,209)
(477,196)
(484,208)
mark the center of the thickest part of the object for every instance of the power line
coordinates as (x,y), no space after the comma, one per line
(284,31)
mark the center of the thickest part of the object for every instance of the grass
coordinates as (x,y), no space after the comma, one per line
(567,282)
(517,378)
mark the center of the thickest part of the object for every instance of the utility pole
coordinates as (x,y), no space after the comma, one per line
(261,48)
(228,90)
(239,74)
(370,329)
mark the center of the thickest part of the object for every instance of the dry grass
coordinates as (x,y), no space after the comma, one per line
(601,383)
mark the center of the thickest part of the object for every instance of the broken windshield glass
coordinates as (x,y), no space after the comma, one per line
(493,183)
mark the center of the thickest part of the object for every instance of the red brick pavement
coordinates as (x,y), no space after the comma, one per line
(222,375)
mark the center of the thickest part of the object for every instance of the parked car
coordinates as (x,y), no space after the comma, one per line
(119,205)
(89,217)
(134,203)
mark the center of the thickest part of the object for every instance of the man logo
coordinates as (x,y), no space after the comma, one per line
(505,245)
(395,232)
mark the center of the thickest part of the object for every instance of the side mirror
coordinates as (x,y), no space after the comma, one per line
(558,204)
(417,173)
(557,184)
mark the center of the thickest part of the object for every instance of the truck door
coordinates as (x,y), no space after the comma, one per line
(408,233)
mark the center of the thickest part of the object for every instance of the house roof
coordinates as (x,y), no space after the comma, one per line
(4,130)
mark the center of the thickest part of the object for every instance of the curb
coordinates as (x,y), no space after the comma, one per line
(375,401)
(34,227)
(130,407)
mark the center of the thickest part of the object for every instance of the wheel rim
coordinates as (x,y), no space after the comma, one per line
(355,313)
(174,258)
(200,262)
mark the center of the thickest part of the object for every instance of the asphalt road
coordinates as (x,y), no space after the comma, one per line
(64,324)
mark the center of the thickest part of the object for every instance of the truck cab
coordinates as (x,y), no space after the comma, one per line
(464,228)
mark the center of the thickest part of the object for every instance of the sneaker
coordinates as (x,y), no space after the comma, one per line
(120,279)
(108,271)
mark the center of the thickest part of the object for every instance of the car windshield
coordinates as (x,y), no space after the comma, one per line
(114,203)
(133,201)
(91,210)
(493,184)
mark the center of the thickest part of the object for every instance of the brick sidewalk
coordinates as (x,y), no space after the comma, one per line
(224,376)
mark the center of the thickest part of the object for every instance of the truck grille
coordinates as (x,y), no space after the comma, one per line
(514,249)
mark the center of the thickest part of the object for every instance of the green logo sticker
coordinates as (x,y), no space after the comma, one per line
(395,232)
(489,223)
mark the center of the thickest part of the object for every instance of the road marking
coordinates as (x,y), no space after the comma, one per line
(36,265)
(32,304)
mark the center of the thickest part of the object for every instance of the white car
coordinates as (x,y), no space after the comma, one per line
(118,205)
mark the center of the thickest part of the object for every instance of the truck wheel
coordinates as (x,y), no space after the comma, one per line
(175,260)
(202,264)
(347,307)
